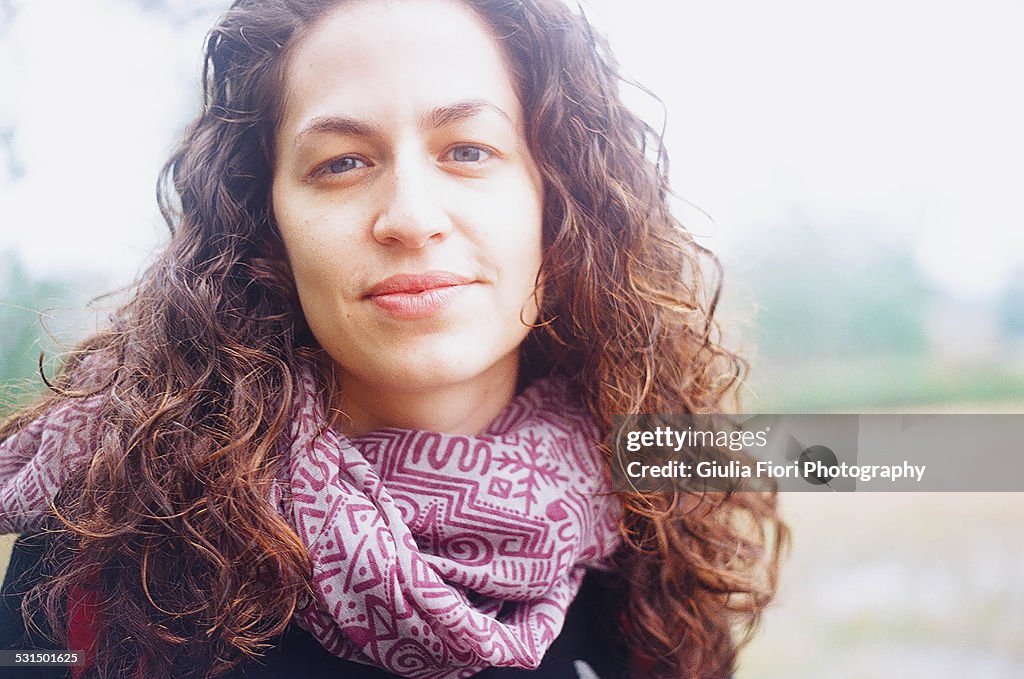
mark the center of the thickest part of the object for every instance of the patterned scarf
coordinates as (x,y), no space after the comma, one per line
(434,555)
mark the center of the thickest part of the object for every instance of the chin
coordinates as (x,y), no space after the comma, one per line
(436,373)
(431,362)
(446,366)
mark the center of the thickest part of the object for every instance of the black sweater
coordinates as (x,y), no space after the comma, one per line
(591,633)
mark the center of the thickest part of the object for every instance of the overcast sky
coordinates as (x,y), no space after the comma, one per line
(895,117)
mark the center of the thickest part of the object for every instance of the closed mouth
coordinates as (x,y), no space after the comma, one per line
(414,284)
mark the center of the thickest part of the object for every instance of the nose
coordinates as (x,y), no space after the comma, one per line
(411,213)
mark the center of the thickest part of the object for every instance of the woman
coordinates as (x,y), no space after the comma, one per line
(420,256)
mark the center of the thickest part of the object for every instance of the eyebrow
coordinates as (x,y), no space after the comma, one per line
(431,120)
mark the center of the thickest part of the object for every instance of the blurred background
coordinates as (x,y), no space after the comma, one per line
(857,167)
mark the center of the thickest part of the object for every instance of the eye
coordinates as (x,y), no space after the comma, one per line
(344,164)
(468,154)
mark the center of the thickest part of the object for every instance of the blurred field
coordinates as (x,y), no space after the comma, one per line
(912,585)
(886,384)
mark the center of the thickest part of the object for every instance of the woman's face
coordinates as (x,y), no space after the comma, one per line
(406,197)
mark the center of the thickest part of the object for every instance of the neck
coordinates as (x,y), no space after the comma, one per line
(464,407)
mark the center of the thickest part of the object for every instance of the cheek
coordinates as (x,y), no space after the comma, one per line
(530,241)
(520,248)
(304,257)
(518,218)
(310,241)
(290,226)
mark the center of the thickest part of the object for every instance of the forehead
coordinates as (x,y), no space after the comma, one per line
(376,60)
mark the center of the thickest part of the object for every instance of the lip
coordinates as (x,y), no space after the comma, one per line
(412,296)
(414,283)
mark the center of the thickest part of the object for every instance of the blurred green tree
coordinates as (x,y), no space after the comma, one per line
(817,295)
(1011,306)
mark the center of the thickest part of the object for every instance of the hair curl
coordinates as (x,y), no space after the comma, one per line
(171,514)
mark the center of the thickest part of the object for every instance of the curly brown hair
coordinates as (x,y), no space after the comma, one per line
(170,519)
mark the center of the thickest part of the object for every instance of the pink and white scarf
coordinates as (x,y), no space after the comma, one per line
(434,555)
